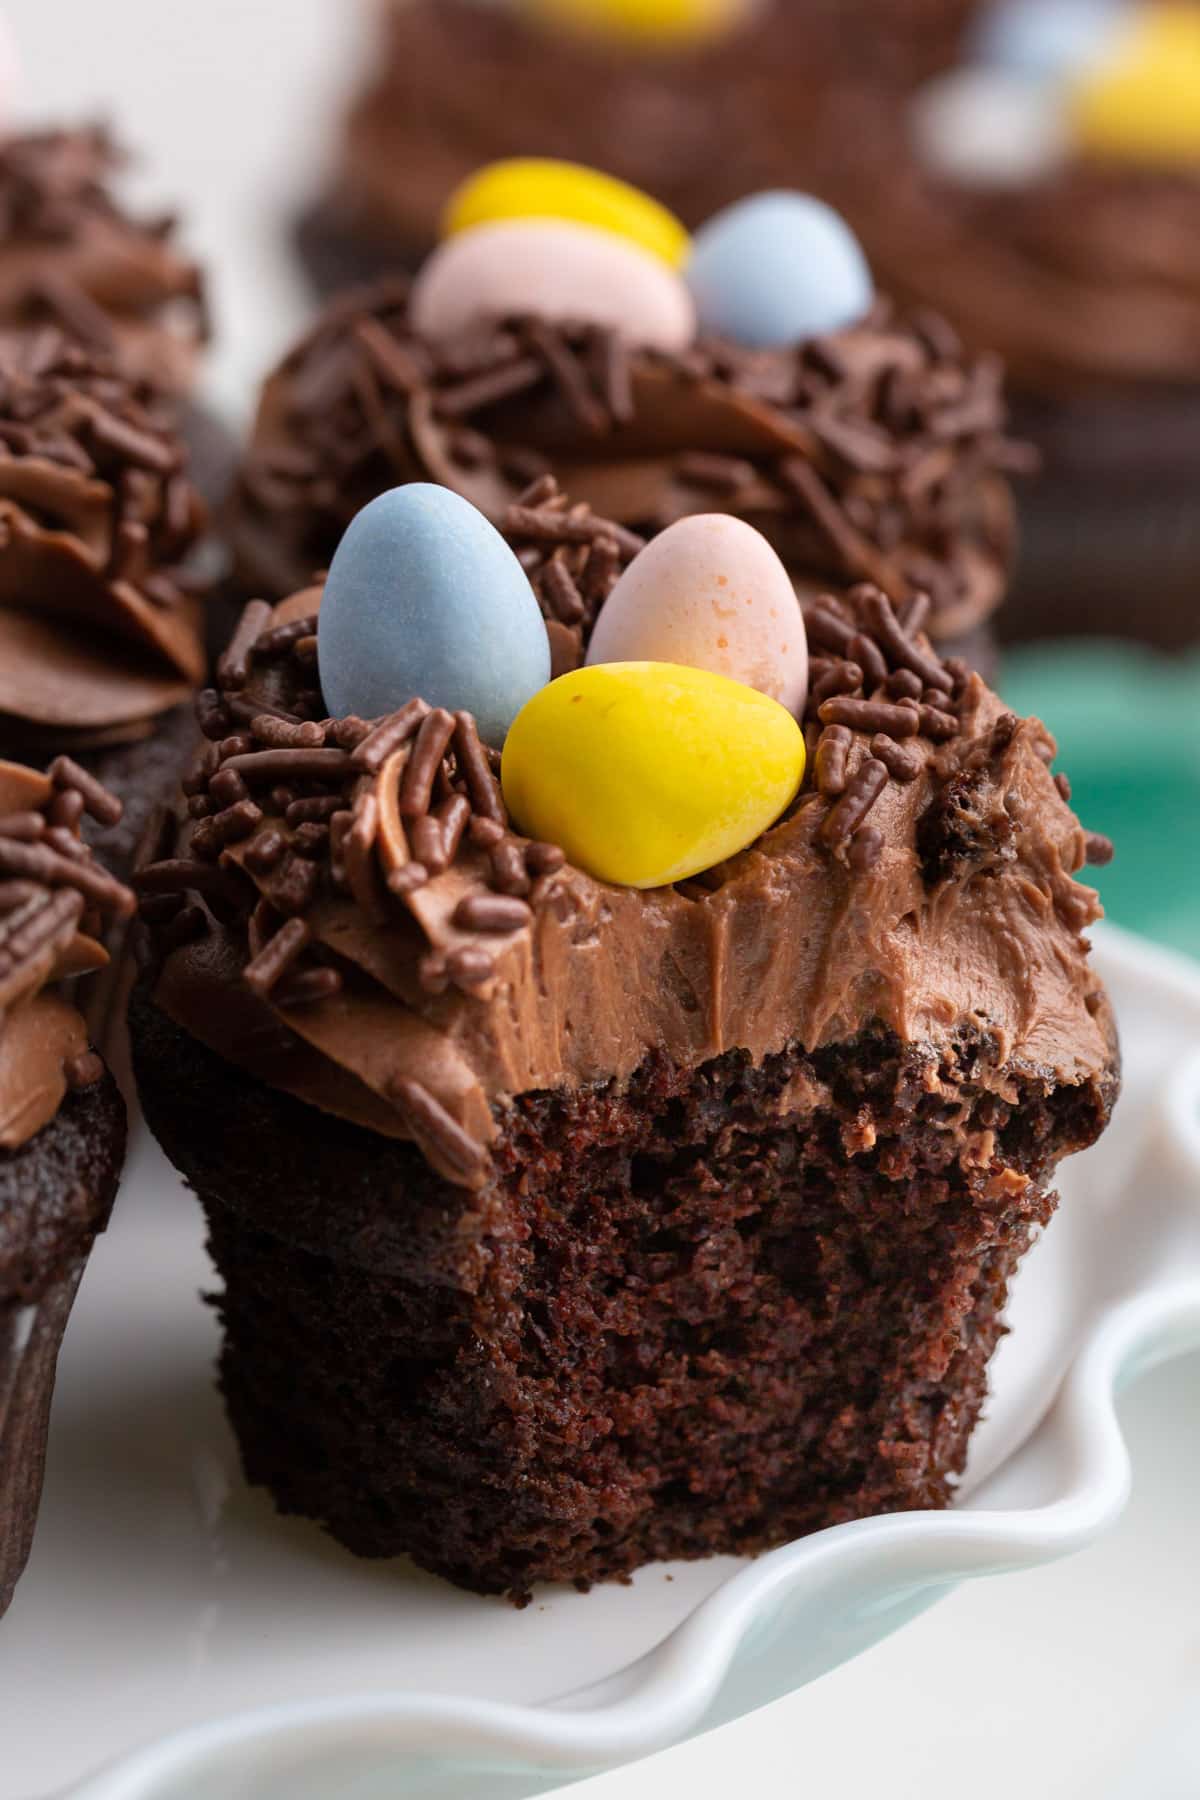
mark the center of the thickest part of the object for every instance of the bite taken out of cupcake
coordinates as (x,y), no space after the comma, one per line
(643,1016)
(62,1119)
(568,324)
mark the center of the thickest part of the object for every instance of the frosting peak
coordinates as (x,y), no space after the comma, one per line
(97,633)
(71,255)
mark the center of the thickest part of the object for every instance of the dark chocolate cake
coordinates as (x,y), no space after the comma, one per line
(878,453)
(563,1226)
(101,644)
(62,1120)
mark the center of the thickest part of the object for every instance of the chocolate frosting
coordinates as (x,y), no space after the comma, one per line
(49,917)
(98,637)
(877,453)
(71,254)
(361,928)
(778,101)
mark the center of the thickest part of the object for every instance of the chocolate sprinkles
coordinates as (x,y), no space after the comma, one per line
(436,1129)
(858,796)
(50,888)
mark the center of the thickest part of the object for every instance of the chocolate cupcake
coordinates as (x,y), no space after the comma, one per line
(877,452)
(744,96)
(1047,195)
(101,644)
(570,1221)
(72,255)
(62,1120)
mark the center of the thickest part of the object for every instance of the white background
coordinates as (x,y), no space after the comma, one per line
(1082,1680)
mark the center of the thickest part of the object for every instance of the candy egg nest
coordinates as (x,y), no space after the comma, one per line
(645,772)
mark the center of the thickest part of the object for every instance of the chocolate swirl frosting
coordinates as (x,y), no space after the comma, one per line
(98,637)
(342,908)
(878,453)
(72,255)
(54,903)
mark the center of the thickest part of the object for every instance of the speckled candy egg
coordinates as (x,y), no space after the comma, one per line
(542,187)
(777,268)
(1046,39)
(990,128)
(647,23)
(709,592)
(646,773)
(425,597)
(1142,104)
(559,269)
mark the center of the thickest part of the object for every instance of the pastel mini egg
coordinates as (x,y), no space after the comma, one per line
(538,187)
(650,23)
(424,597)
(989,128)
(777,268)
(646,773)
(1143,104)
(558,269)
(709,592)
(1045,40)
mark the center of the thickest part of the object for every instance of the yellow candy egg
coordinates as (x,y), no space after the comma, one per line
(535,187)
(647,773)
(648,23)
(1143,105)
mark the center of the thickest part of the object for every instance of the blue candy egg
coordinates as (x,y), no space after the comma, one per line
(777,268)
(1047,40)
(425,597)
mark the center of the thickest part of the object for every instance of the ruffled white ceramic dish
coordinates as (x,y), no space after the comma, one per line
(173,1640)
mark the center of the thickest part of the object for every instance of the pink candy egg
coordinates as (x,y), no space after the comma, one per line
(558,269)
(711,593)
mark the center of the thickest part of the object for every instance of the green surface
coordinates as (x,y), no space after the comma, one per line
(1128,728)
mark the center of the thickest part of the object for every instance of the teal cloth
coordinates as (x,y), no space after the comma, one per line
(1127,723)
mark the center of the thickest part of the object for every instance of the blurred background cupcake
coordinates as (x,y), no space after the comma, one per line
(698,101)
(1046,192)
(568,327)
(119,282)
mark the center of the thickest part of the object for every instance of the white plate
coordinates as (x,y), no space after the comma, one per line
(163,1599)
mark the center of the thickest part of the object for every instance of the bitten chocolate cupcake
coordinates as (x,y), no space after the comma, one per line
(635,1092)
(62,1120)
(71,254)
(1047,196)
(764,378)
(101,644)
(701,102)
